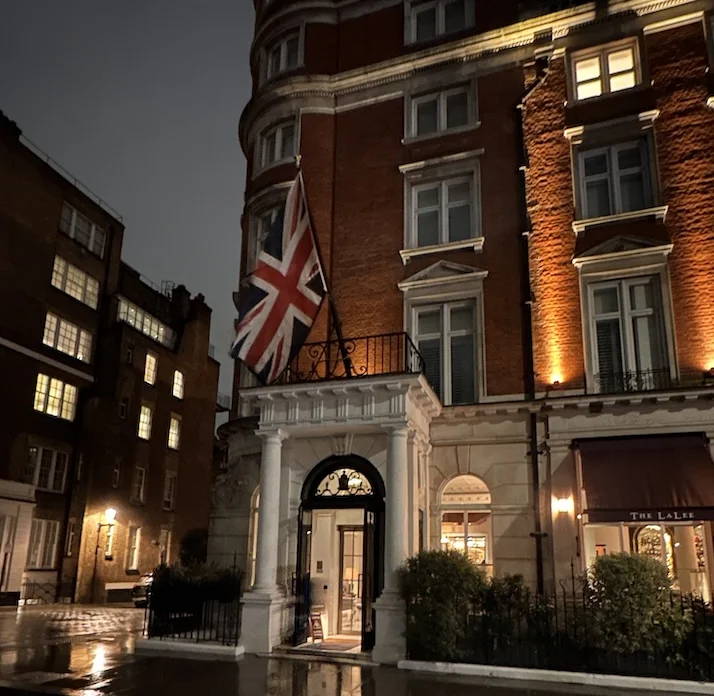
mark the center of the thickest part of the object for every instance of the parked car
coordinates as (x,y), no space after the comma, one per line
(140,592)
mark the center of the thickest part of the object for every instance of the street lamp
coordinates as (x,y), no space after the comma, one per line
(110,515)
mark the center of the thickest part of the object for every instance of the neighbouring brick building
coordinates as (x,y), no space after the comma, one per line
(109,394)
(514,203)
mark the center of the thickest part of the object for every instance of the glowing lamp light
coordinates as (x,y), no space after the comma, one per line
(556,379)
(563,505)
(110,514)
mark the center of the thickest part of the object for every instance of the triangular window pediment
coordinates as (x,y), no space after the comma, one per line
(442,272)
(621,243)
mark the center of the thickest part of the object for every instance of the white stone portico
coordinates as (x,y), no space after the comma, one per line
(383,419)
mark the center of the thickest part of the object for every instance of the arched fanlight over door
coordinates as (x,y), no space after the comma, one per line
(343,483)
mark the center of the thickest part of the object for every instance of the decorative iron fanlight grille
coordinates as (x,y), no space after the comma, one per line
(344,483)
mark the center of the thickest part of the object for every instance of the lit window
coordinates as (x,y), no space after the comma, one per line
(169,490)
(628,338)
(145,418)
(82,230)
(70,537)
(283,55)
(165,546)
(67,338)
(43,544)
(138,484)
(446,339)
(55,398)
(174,432)
(603,71)
(443,212)
(278,144)
(614,179)
(434,18)
(178,385)
(109,545)
(133,550)
(442,111)
(47,469)
(145,323)
(150,368)
(75,282)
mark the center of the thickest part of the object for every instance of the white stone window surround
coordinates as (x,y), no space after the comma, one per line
(437,92)
(634,263)
(602,52)
(449,283)
(281,38)
(268,200)
(261,156)
(412,8)
(451,167)
(611,134)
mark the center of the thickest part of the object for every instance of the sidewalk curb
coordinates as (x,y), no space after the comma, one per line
(553,677)
(195,651)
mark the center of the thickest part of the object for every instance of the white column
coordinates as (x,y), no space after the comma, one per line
(269,513)
(396,507)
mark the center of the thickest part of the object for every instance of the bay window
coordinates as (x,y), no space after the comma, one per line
(283,55)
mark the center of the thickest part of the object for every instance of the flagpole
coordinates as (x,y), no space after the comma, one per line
(333,309)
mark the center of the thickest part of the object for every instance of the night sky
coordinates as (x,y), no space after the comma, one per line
(140,100)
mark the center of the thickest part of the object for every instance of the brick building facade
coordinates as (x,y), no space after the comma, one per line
(88,349)
(524,190)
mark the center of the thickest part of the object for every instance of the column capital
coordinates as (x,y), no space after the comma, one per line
(398,430)
(272,436)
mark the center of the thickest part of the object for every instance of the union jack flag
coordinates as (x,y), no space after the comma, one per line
(278,302)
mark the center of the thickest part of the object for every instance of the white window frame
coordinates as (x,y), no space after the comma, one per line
(270,159)
(69,538)
(109,544)
(151,368)
(441,98)
(178,386)
(169,497)
(145,323)
(445,335)
(165,546)
(602,53)
(42,551)
(54,397)
(138,484)
(173,439)
(37,453)
(133,548)
(146,417)
(414,8)
(66,277)
(281,43)
(81,345)
(97,234)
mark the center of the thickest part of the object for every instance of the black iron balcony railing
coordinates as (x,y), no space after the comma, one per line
(633,381)
(366,356)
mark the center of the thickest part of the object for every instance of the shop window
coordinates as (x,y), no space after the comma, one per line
(656,541)
(466,519)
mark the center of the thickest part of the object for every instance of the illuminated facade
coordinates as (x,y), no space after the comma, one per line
(513,204)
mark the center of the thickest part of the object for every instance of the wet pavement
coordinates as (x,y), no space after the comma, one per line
(80,651)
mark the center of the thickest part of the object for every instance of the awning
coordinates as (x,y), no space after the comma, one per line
(667,478)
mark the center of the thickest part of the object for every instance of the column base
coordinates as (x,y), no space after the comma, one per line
(391,625)
(263,621)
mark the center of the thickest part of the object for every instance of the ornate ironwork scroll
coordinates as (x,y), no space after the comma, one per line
(344,483)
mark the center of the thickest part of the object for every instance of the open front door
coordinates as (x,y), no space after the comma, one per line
(368,586)
(302,578)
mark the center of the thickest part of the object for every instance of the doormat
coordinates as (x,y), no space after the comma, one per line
(332,645)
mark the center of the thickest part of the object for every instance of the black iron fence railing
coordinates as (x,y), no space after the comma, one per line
(46,592)
(204,621)
(633,381)
(366,356)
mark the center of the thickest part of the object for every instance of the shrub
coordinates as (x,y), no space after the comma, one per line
(194,547)
(441,589)
(185,588)
(632,608)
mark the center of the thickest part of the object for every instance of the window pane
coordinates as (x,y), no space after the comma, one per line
(462,319)
(426,114)
(595,164)
(587,69)
(291,52)
(597,203)
(452,532)
(620,61)
(632,192)
(463,366)
(460,223)
(50,335)
(609,354)
(431,354)
(631,158)
(288,145)
(648,347)
(587,90)
(66,219)
(274,67)
(622,81)
(428,198)
(455,16)
(606,301)
(43,478)
(457,110)
(426,24)
(429,323)
(642,296)
(459,193)
(60,468)
(428,228)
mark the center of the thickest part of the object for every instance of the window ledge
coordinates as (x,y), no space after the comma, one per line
(475,243)
(273,165)
(710,102)
(441,134)
(659,213)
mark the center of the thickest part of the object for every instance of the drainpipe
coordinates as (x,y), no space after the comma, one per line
(529,376)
